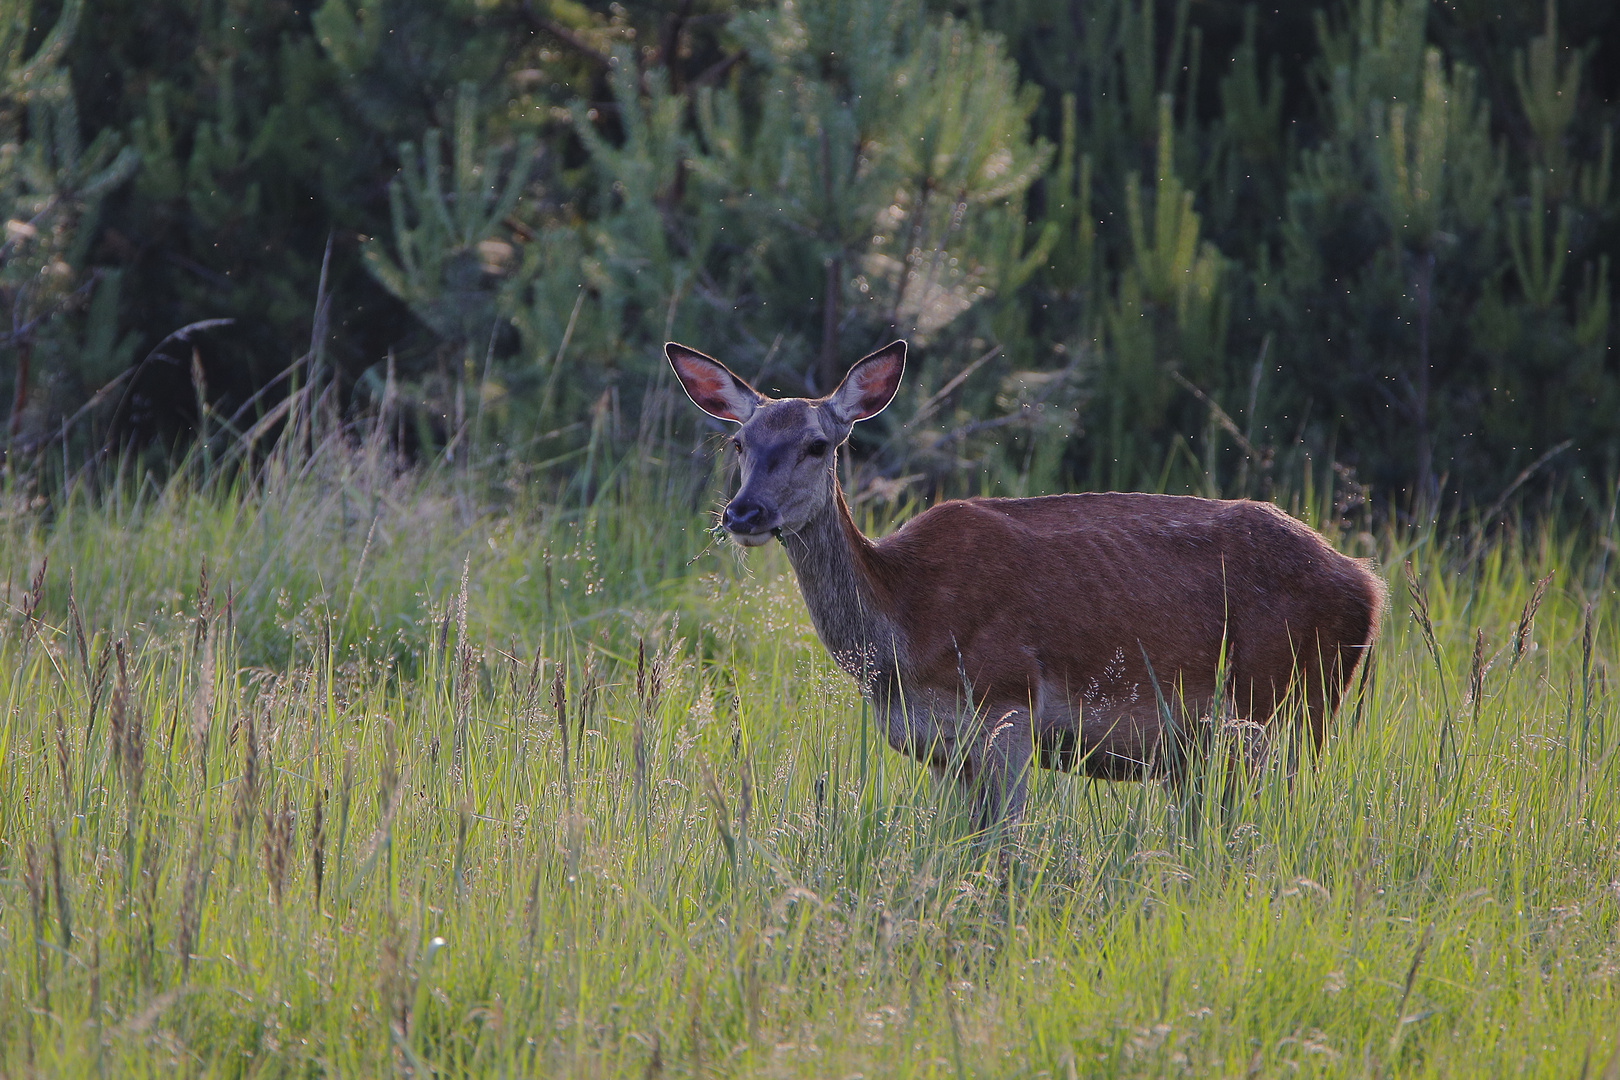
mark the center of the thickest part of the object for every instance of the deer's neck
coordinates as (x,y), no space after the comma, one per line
(835,567)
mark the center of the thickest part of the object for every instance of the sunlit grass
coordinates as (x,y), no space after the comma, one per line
(318,819)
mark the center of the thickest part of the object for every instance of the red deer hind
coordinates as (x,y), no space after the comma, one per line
(989,634)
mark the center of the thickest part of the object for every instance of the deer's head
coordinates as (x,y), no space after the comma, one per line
(785,445)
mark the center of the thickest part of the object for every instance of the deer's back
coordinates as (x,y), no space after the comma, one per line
(1072,589)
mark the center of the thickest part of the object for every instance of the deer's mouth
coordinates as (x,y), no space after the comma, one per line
(752,539)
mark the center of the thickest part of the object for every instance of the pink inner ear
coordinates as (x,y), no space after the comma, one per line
(707,386)
(874,379)
(707,381)
(875,382)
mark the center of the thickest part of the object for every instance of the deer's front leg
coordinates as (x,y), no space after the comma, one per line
(1001,758)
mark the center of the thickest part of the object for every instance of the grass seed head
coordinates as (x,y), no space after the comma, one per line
(205,607)
(1527,619)
(1588,632)
(32,600)
(1476,672)
(79,639)
(641,672)
(590,686)
(98,686)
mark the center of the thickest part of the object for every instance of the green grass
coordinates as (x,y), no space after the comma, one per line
(734,875)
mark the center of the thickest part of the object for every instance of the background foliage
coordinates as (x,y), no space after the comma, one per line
(1137,244)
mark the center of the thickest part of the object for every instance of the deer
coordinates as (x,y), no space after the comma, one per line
(1079,632)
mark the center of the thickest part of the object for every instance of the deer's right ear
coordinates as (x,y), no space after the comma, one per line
(711,386)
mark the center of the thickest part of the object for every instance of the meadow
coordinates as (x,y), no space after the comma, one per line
(360,771)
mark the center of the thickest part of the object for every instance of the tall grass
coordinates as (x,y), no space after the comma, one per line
(353,772)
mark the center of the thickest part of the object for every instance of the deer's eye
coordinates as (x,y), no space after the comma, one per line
(736,444)
(818,448)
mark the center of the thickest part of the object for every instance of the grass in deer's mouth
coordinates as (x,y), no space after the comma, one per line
(351,778)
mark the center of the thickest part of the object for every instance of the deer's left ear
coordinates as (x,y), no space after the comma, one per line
(870,384)
(711,385)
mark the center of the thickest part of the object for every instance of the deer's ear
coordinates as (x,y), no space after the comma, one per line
(870,384)
(711,386)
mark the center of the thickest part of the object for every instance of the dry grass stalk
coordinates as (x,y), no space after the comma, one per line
(127,731)
(1399,1033)
(559,705)
(531,909)
(458,867)
(34,885)
(388,775)
(193,891)
(247,793)
(202,708)
(146,947)
(323,656)
(202,703)
(1420,611)
(463,680)
(95,991)
(345,801)
(649,684)
(722,812)
(638,742)
(64,909)
(277,844)
(317,836)
(389,786)
(64,762)
(394,981)
(694,1015)
(230,612)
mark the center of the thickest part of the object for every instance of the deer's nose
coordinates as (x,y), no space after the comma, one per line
(747,516)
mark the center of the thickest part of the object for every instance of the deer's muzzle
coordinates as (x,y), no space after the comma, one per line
(749,520)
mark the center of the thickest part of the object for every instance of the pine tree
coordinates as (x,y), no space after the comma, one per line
(51,188)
